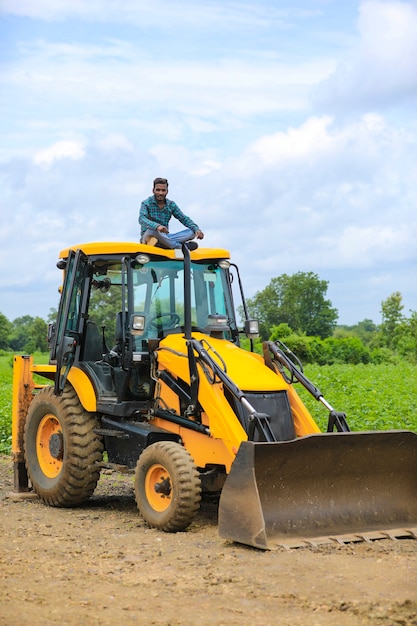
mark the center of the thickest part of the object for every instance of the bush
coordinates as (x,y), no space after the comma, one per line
(380,356)
(323,351)
(346,350)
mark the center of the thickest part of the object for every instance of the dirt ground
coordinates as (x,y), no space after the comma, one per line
(100,565)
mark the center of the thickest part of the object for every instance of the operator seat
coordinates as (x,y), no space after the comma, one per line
(93,342)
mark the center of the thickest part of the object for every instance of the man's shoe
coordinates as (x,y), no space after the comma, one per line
(152,241)
(191,245)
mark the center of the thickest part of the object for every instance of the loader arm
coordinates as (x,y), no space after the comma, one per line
(336,418)
(258,422)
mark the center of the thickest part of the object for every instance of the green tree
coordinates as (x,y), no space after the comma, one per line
(365,330)
(280,332)
(299,301)
(52,315)
(406,333)
(37,340)
(103,310)
(29,334)
(5,330)
(20,333)
(392,318)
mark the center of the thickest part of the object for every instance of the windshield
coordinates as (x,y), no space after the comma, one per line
(158,292)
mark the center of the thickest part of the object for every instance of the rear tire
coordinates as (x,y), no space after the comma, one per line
(167,486)
(62,451)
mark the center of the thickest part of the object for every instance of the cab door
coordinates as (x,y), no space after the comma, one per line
(65,346)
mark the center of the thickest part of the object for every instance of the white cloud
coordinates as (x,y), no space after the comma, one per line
(115,142)
(327,150)
(382,68)
(368,246)
(321,197)
(392,24)
(119,87)
(117,72)
(224,114)
(225,16)
(295,143)
(60,150)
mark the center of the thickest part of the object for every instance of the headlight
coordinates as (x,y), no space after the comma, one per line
(142,259)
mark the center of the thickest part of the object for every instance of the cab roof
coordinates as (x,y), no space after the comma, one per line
(121,247)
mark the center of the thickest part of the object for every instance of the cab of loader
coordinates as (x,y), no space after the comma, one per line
(115,308)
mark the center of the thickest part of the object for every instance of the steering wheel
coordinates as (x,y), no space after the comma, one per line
(173,321)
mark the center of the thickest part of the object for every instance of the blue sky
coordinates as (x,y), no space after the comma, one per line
(287,130)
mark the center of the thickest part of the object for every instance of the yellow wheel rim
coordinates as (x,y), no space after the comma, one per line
(49,446)
(158,487)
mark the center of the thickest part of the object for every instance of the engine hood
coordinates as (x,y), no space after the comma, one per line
(246,369)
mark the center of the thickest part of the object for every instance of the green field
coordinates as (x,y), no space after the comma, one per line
(6,365)
(374,397)
(6,379)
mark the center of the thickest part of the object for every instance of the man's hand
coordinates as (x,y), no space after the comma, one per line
(199,234)
(162,229)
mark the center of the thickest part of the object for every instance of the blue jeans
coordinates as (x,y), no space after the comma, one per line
(173,240)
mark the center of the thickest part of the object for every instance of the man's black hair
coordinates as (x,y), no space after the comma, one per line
(160,181)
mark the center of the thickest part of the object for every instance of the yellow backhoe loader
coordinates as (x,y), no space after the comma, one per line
(146,372)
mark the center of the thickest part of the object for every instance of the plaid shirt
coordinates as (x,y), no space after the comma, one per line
(151,215)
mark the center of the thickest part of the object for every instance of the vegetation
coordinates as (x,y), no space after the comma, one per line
(6,384)
(374,397)
(297,300)
(394,340)
(25,334)
(6,366)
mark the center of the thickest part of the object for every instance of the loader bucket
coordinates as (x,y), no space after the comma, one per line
(322,488)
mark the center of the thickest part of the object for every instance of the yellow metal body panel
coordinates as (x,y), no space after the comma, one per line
(248,371)
(226,431)
(23,387)
(79,381)
(122,247)
(203,449)
(206,451)
(48,371)
(303,422)
(83,388)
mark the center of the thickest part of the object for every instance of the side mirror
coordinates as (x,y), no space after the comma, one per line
(252,329)
(51,333)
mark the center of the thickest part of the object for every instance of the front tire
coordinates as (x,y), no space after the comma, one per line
(167,486)
(62,451)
